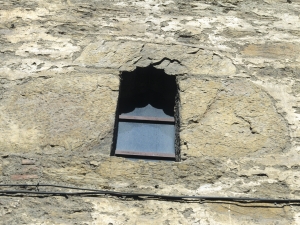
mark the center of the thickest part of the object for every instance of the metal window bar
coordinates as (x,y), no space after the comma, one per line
(147,118)
(146,154)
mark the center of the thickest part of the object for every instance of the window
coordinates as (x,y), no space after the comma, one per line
(146,121)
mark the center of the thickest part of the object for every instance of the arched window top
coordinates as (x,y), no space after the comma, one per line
(149,111)
(147,89)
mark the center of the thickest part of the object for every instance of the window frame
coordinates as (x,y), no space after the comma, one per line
(132,79)
(146,119)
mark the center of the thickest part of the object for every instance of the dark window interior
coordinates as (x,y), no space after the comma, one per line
(145,121)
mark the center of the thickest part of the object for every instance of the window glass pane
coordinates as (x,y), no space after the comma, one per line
(146,137)
(148,110)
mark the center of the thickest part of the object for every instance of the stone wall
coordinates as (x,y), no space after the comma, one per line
(237,66)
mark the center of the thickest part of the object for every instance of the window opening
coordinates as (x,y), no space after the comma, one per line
(147,116)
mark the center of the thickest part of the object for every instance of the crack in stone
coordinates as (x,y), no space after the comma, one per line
(166,59)
(210,103)
(252,130)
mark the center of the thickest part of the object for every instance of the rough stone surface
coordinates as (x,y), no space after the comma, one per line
(237,67)
(69,113)
(233,118)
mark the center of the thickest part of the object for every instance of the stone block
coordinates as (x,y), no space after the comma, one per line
(27,162)
(230,118)
(24,177)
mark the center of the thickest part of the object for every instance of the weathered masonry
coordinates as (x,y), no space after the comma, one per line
(155,97)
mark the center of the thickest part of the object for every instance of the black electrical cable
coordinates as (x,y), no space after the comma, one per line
(125,194)
(46,185)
